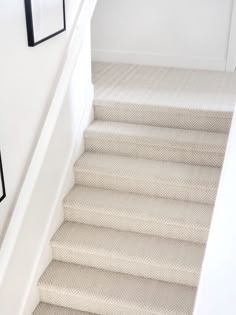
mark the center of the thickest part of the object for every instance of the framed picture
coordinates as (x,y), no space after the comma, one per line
(44,20)
(2,182)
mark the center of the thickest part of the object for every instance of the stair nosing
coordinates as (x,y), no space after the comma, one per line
(99,102)
(130,176)
(91,134)
(59,287)
(126,256)
(58,245)
(136,217)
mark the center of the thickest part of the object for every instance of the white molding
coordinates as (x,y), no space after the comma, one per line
(12,250)
(157,60)
(231,51)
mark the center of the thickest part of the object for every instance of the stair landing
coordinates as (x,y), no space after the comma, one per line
(160,86)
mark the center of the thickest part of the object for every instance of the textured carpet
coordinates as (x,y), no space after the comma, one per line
(139,213)
(166,97)
(138,217)
(166,144)
(155,178)
(159,86)
(48,309)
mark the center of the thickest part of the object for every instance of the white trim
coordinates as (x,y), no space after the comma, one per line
(157,60)
(231,51)
(15,229)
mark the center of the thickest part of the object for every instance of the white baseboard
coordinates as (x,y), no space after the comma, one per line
(157,60)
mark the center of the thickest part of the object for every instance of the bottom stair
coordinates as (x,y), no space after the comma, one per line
(48,309)
(106,292)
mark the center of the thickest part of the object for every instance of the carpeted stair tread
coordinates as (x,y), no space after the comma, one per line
(164,96)
(162,116)
(127,252)
(139,213)
(105,292)
(49,309)
(168,144)
(158,178)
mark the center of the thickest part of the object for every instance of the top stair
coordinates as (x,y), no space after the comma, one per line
(164,97)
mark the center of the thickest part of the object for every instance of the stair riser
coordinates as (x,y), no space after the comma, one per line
(173,118)
(104,292)
(155,152)
(148,186)
(132,267)
(49,309)
(89,216)
(96,306)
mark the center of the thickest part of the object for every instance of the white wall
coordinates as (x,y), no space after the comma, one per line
(26,251)
(28,77)
(183,33)
(231,57)
(216,292)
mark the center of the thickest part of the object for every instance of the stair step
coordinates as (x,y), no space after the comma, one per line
(162,116)
(108,293)
(163,97)
(166,144)
(139,213)
(49,309)
(156,178)
(127,252)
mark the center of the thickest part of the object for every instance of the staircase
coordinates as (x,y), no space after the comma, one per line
(138,217)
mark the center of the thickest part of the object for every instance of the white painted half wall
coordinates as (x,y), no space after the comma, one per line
(216,290)
(26,251)
(183,33)
(28,77)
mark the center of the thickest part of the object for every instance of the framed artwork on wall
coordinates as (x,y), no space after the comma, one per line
(2,182)
(44,20)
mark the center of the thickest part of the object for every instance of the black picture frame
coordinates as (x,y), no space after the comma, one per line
(30,24)
(2,180)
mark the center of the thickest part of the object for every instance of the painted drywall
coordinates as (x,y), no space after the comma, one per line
(49,178)
(231,57)
(183,33)
(45,210)
(28,77)
(216,291)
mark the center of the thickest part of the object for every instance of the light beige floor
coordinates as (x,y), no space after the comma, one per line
(209,90)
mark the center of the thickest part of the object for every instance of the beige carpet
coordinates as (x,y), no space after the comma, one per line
(159,86)
(138,217)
